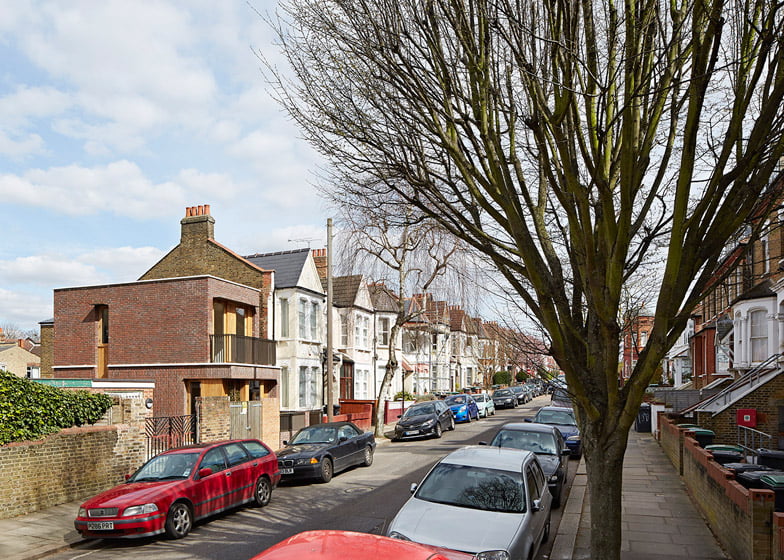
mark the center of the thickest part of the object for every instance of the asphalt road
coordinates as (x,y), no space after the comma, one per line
(362,499)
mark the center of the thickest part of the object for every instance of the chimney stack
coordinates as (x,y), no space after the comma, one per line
(197,225)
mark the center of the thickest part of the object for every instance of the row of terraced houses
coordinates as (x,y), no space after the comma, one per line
(205,321)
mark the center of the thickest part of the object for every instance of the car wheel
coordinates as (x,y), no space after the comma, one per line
(367,457)
(438,430)
(546,534)
(179,520)
(451,423)
(326,470)
(263,492)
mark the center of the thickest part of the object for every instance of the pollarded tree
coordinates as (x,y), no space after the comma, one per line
(572,143)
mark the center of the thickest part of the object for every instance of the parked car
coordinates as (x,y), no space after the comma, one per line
(349,545)
(504,398)
(485,404)
(547,443)
(321,450)
(180,486)
(520,393)
(491,502)
(561,397)
(562,418)
(463,407)
(424,419)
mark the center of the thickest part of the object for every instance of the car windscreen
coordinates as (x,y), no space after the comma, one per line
(419,410)
(169,466)
(540,443)
(315,434)
(555,417)
(502,393)
(475,488)
(457,399)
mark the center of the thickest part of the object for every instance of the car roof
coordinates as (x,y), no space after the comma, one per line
(502,458)
(529,427)
(199,447)
(560,408)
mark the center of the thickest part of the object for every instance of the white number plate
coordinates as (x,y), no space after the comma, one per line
(286,471)
(100,525)
(412,433)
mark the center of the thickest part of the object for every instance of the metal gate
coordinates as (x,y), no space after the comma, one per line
(168,432)
(245,419)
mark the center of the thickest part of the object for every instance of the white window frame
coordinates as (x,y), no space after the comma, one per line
(758,335)
(284,318)
(383,331)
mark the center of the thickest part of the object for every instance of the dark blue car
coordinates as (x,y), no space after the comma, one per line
(562,418)
(463,407)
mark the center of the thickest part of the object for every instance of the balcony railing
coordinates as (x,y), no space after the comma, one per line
(242,349)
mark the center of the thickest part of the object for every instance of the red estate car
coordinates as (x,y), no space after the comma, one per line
(174,489)
(348,545)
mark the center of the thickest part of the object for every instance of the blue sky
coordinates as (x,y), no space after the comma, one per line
(114,117)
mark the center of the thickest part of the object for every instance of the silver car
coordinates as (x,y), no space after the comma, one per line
(485,404)
(491,502)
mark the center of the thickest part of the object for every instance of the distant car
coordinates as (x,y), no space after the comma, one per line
(561,397)
(504,398)
(424,419)
(348,545)
(562,418)
(521,393)
(463,407)
(547,443)
(174,489)
(491,502)
(321,450)
(485,404)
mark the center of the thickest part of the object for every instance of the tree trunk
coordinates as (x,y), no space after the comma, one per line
(604,466)
(389,373)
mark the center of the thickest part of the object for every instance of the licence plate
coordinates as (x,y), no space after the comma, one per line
(100,525)
(412,433)
(286,471)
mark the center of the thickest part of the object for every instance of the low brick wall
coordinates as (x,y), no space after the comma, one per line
(740,518)
(70,465)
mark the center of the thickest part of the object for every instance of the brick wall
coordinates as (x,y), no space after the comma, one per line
(740,518)
(765,399)
(47,349)
(70,465)
(214,418)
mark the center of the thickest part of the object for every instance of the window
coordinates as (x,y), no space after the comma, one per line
(213,460)
(361,384)
(256,450)
(284,386)
(308,319)
(759,336)
(308,386)
(303,317)
(383,331)
(362,332)
(314,313)
(284,317)
(236,454)
(344,331)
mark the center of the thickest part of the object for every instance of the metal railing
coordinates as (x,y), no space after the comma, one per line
(748,379)
(167,432)
(751,439)
(226,348)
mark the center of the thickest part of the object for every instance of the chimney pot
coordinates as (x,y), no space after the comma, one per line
(207,209)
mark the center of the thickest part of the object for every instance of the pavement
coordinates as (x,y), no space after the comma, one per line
(660,522)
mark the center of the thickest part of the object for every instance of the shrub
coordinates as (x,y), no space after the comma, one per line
(404,396)
(502,378)
(30,410)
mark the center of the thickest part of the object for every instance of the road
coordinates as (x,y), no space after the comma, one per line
(361,499)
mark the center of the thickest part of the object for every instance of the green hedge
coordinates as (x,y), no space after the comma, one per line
(30,410)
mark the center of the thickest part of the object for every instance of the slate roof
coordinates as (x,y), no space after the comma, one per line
(287,265)
(383,298)
(345,289)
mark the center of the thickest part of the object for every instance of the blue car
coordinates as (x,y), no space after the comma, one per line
(463,407)
(562,418)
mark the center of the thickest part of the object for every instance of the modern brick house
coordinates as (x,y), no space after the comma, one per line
(196,324)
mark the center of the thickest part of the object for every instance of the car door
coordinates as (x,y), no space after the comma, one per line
(210,491)
(444,414)
(239,474)
(538,491)
(344,448)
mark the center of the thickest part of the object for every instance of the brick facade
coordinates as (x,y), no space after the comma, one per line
(47,348)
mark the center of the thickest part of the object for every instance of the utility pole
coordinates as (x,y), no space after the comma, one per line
(330,365)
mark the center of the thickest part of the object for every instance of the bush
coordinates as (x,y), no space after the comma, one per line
(502,378)
(404,396)
(30,410)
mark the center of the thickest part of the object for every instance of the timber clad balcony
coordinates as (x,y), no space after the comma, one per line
(242,350)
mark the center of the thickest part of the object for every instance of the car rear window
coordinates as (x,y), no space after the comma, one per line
(255,449)
(474,487)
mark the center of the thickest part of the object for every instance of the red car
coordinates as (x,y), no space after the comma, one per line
(174,489)
(348,545)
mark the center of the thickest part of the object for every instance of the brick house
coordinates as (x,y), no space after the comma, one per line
(196,324)
(17,359)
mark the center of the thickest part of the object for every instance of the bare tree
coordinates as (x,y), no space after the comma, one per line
(572,143)
(415,255)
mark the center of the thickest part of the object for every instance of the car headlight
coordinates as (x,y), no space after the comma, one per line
(398,536)
(493,555)
(302,461)
(554,478)
(82,512)
(573,438)
(429,423)
(139,510)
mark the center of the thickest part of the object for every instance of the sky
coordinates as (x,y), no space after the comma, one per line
(114,117)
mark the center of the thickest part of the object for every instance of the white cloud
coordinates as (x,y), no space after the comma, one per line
(26,103)
(122,264)
(23,309)
(17,148)
(119,187)
(48,270)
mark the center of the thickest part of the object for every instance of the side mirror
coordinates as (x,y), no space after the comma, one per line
(528,419)
(285,442)
(205,472)
(342,439)
(413,487)
(483,443)
(565,451)
(399,416)
(537,505)
(127,476)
